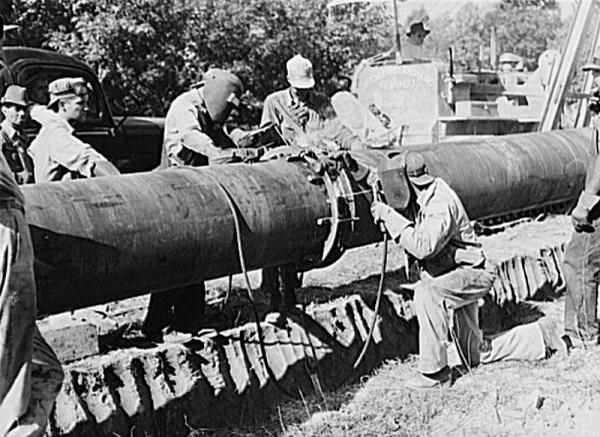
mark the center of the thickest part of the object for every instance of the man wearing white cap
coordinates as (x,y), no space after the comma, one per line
(15,108)
(57,153)
(453,276)
(305,117)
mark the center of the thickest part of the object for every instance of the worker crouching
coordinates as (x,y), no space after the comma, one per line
(453,273)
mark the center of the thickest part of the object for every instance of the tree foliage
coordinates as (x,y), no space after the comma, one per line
(148,51)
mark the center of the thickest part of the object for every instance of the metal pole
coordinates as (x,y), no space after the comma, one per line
(398,48)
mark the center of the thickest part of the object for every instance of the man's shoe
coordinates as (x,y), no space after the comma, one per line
(427,382)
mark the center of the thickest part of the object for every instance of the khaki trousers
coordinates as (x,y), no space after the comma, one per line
(30,374)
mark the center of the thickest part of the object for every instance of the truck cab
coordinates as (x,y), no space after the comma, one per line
(132,143)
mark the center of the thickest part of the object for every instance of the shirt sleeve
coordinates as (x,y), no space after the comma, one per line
(191,135)
(269,113)
(431,233)
(73,153)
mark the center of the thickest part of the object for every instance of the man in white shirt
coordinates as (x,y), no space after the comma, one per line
(57,153)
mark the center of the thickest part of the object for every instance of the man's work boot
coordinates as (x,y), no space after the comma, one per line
(428,381)
(188,309)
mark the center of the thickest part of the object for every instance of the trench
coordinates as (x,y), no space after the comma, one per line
(221,379)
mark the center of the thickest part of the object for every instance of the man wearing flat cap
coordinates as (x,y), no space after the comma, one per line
(194,135)
(437,234)
(413,46)
(57,153)
(30,374)
(15,109)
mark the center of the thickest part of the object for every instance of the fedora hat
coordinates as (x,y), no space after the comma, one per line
(15,95)
(416,28)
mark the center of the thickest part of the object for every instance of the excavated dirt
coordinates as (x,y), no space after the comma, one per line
(220,379)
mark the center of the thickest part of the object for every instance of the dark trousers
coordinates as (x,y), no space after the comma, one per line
(180,309)
(581,267)
(281,283)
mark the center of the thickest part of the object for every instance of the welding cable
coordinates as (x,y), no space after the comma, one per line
(384,254)
(242,260)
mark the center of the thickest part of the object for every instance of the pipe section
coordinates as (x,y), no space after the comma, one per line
(104,239)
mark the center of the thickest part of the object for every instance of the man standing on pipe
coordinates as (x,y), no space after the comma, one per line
(30,373)
(305,118)
(194,135)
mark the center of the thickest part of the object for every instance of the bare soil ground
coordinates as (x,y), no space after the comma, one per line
(559,396)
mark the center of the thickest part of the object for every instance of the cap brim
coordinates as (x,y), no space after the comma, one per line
(424,179)
(302,83)
(53,101)
(14,102)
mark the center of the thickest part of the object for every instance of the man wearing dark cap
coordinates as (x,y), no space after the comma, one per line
(194,135)
(30,373)
(413,46)
(437,234)
(57,153)
(15,108)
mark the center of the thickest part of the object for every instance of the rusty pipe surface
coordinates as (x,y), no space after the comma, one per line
(104,239)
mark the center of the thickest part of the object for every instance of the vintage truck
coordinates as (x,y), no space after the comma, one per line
(132,143)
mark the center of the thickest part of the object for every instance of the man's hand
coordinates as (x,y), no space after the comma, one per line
(300,113)
(580,216)
(380,212)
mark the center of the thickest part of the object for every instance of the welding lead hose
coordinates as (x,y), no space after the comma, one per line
(242,260)
(377,190)
(384,253)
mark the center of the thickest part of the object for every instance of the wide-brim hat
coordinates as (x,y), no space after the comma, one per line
(417,27)
(416,169)
(15,95)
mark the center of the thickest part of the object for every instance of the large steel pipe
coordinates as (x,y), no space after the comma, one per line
(110,238)
(511,173)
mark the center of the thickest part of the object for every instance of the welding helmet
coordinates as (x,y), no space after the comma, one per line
(221,91)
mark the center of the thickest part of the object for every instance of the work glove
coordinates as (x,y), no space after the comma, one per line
(393,222)
(580,216)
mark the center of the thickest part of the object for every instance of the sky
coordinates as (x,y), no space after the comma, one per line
(437,8)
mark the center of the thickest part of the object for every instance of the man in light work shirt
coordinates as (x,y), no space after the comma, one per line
(305,118)
(453,276)
(194,136)
(15,108)
(57,153)
(30,373)
(194,133)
